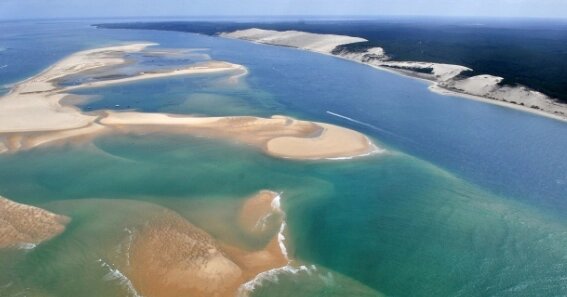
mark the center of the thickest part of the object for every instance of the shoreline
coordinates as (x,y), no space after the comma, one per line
(33,113)
(385,65)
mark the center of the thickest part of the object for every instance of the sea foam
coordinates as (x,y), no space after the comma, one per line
(272,274)
(116,275)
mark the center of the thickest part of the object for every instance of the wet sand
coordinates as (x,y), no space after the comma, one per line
(25,226)
(171,257)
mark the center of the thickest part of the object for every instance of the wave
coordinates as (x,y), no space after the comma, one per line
(373,151)
(116,275)
(276,206)
(124,247)
(355,121)
(262,223)
(271,276)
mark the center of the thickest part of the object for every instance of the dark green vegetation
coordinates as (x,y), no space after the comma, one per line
(427,70)
(528,52)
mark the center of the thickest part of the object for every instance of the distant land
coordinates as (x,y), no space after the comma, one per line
(521,62)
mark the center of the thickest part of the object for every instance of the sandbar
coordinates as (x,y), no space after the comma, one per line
(25,226)
(32,114)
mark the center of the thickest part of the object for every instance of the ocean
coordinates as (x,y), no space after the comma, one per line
(467,199)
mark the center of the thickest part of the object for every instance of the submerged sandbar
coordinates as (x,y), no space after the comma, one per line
(24,226)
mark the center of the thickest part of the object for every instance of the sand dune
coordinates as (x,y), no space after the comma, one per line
(26,226)
(445,77)
(323,43)
(32,114)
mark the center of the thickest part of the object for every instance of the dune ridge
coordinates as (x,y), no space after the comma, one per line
(445,78)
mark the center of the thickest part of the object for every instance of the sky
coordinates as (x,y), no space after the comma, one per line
(29,9)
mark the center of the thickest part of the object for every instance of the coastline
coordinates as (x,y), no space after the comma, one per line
(33,114)
(442,75)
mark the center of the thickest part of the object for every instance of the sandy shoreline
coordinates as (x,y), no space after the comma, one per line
(32,114)
(444,78)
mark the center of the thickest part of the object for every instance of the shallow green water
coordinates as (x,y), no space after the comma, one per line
(389,221)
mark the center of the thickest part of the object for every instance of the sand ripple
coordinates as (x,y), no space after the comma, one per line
(26,226)
(169,256)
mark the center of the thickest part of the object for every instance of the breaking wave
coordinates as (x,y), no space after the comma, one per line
(116,275)
(272,274)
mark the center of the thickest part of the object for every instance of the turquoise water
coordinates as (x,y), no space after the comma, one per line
(467,200)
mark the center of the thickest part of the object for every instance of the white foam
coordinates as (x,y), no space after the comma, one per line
(368,126)
(281,241)
(27,246)
(129,244)
(357,121)
(115,274)
(271,276)
(262,222)
(276,206)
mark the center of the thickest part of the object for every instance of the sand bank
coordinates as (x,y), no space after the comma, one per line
(169,256)
(442,76)
(278,136)
(24,226)
(32,113)
(323,43)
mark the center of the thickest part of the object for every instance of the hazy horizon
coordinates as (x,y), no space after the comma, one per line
(36,9)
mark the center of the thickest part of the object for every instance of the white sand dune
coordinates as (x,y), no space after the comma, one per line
(278,136)
(445,77)
(323,43)
(32,113)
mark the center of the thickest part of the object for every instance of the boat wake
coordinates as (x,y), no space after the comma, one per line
(367,125)
(271,276)
(356,121)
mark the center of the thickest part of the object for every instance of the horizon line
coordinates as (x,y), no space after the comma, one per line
(297,17)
